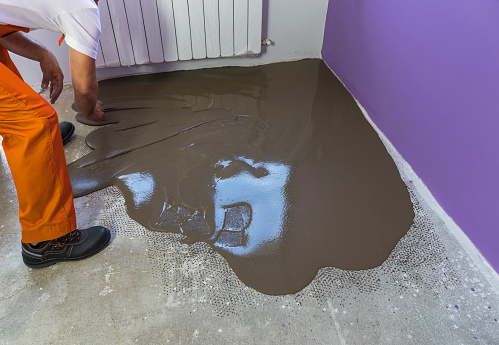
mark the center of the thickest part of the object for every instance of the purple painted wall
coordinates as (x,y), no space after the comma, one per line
(427,73)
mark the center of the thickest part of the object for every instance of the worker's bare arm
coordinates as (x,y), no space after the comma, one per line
(22,44)
(85,85)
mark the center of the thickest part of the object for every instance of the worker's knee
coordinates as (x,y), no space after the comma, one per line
(41,107)
(28,105)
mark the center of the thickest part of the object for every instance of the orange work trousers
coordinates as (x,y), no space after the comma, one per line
(33,146)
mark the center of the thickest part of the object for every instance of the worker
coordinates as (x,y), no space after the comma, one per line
(30,129)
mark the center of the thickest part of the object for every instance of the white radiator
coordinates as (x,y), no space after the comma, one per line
(151,31)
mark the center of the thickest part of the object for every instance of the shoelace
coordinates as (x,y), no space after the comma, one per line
(63,240)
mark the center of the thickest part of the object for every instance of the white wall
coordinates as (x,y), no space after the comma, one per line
(296,28)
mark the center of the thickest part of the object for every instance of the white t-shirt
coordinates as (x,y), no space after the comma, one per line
(78,20)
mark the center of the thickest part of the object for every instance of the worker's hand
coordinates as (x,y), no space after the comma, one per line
(97,114)
(22,44)
(52,75)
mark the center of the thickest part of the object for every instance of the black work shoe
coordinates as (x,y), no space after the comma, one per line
(77,245)
(67,130)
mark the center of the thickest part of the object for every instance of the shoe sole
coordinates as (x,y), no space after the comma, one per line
(51,262)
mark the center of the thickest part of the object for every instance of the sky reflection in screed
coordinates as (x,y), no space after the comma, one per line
(274,166)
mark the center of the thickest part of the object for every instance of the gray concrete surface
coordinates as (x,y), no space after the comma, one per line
(152,288)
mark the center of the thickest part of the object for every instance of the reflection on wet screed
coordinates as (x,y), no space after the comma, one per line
(274,166)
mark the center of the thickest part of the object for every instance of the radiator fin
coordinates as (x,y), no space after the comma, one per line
(153,31)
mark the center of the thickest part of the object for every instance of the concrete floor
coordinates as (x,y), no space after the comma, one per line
(152,288)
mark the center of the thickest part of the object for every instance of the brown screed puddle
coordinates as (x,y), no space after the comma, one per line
(274,166)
